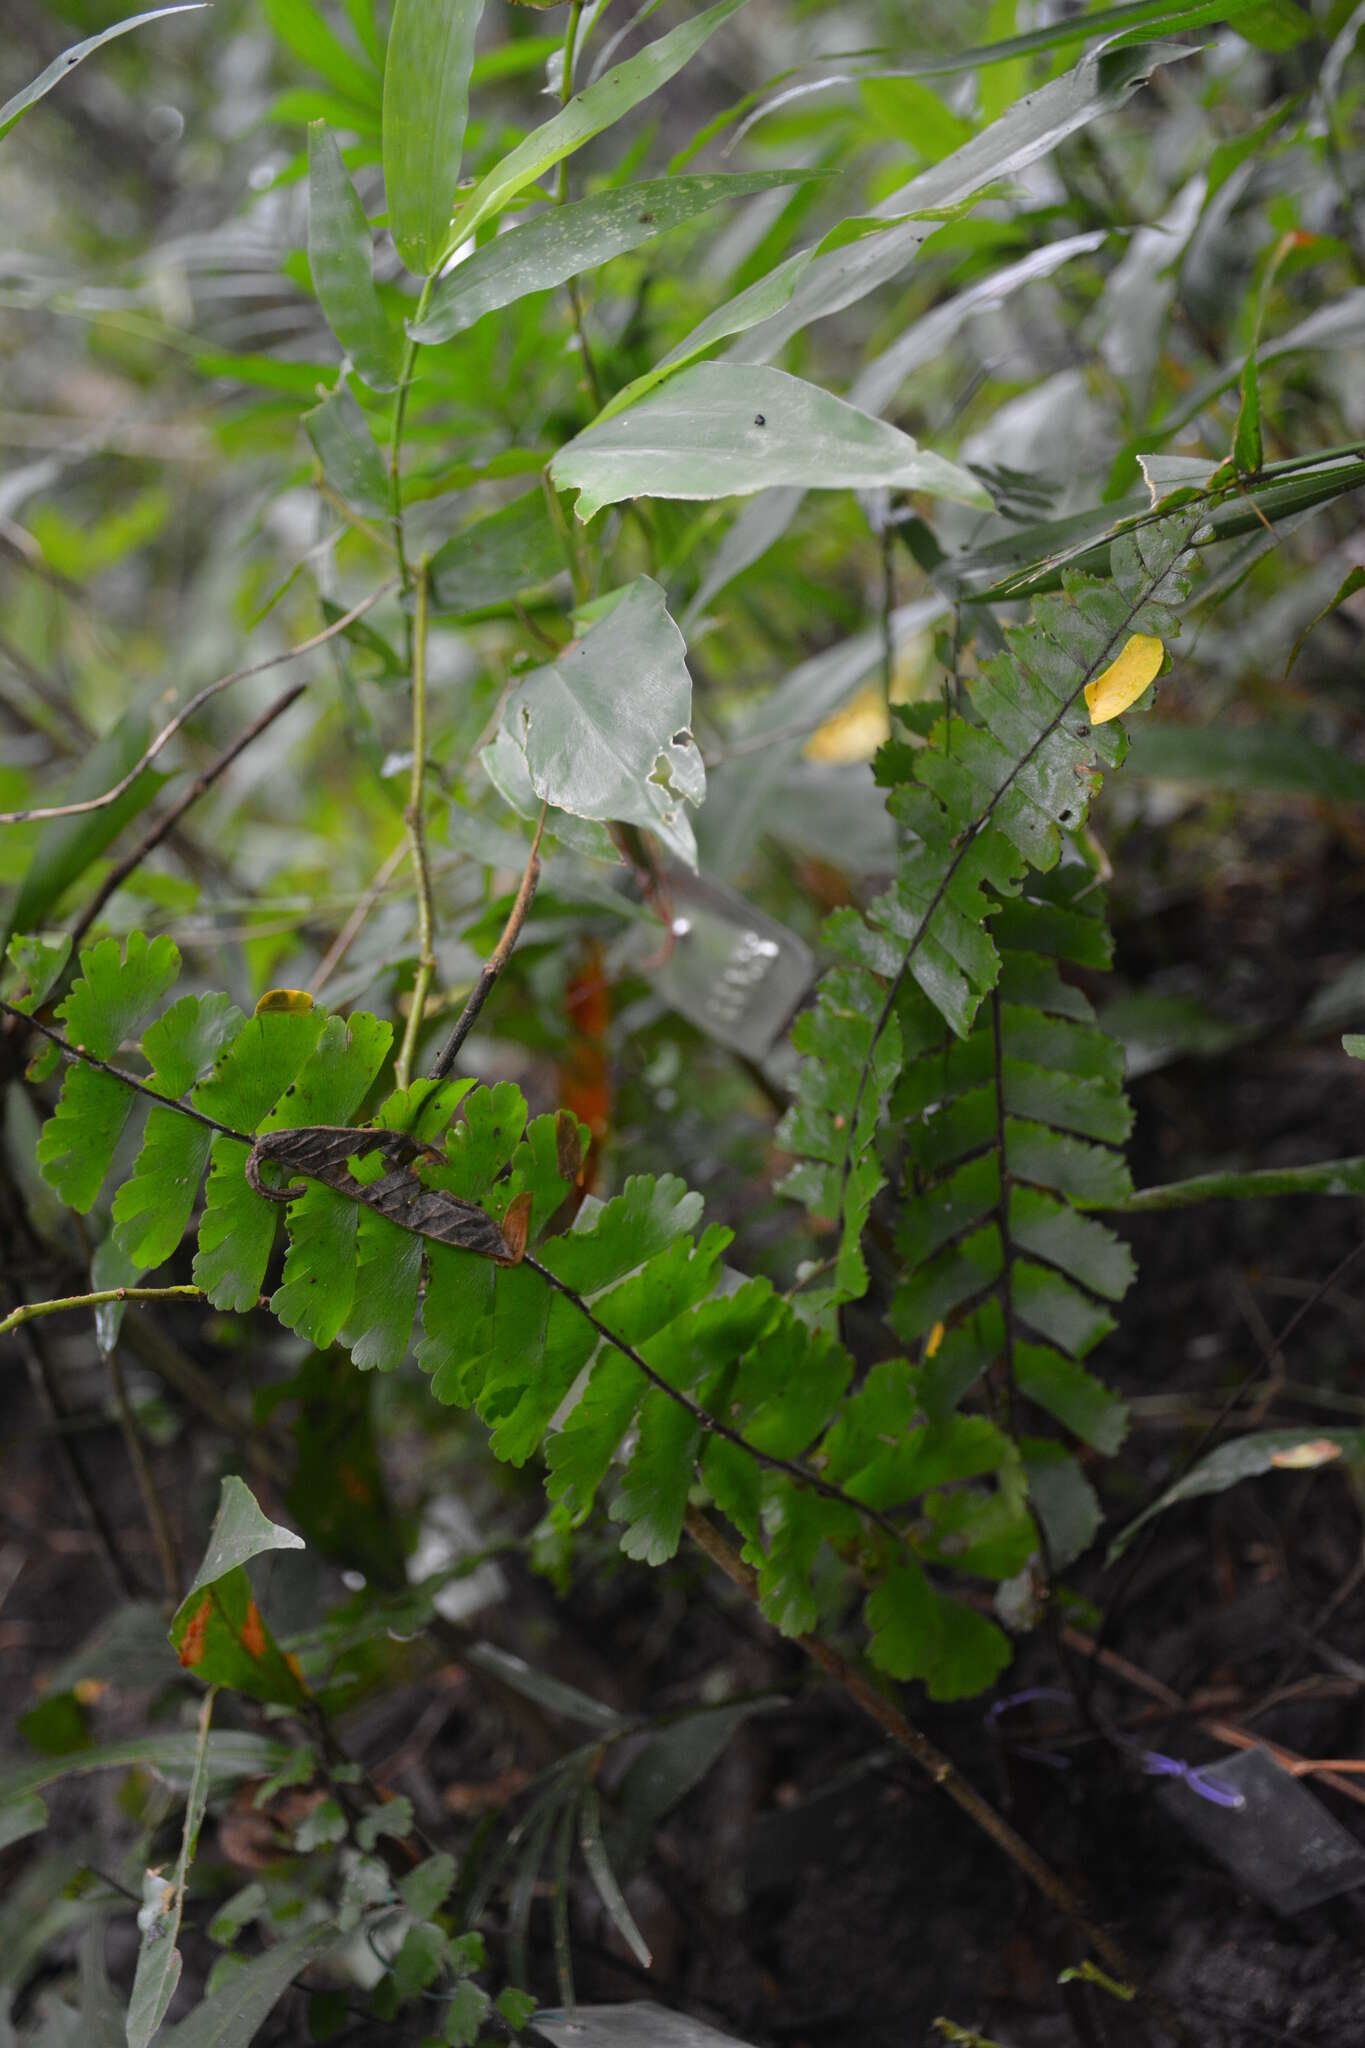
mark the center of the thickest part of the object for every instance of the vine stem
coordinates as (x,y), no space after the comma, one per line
(417,841)
(29,1310)
(936,1766)
(497,959)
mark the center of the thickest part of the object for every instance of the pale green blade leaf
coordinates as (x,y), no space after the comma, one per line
(605,727)
(14,109)
(563,241)
(426,107)
(724,430)
(341,257)
(231,2016)
(158,1958)
(240,1532)
(586,115)
(845,270)
(352,466)
(1247,1457)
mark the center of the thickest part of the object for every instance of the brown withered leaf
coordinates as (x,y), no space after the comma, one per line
(568,1147)
(321,1152)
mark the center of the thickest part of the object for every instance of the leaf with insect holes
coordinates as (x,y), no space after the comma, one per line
(722,430)
(606,726)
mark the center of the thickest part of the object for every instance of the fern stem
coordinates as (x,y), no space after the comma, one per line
(711,1425)
(931,1760)
(497,959)
(426,917)
(1005,1285)
(29,1310)
(87,1059)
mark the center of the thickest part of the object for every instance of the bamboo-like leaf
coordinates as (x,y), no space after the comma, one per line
(426,106)
(601,105)
(341,258)
(563,241)
(14,109)
(721,430)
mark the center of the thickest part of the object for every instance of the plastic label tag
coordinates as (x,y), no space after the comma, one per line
(637,2024)
(1280,1843)
(734,973)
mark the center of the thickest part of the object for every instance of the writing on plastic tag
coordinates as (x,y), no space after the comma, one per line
(730,970)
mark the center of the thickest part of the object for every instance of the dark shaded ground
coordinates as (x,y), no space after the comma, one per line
(815,1889)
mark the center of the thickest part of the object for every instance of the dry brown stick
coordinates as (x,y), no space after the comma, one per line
(166,825)
(146,1484)
(932,1762)
(496,961)
(200,698)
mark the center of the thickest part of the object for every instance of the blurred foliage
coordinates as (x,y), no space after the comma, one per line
(1143,287)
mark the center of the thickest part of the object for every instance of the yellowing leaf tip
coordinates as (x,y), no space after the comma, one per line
(297,1000)
(1125,679)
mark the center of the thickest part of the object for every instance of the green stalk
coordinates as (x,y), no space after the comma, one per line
(426,920)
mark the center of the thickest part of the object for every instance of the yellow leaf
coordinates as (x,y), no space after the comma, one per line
(853,734)
(1303,1457)
(1124,681)
(934,1340)
(296,1000)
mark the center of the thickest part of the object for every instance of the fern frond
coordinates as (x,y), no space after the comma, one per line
(982,796)
(620,1347)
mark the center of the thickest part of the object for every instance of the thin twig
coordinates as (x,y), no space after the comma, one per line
(497,959)
(711,1425)
(201,697)
(426,916)
(931,1760)
(164,826)
(29,1311)
(146,1485)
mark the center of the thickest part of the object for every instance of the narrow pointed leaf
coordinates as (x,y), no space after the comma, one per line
(15,108)
(426,106)
(721,430)
(601,105)
(563,241)
(341,258)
